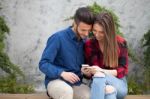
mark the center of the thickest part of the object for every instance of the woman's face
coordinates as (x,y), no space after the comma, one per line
(98,31)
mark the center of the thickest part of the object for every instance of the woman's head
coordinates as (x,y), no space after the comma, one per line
(104,31)
(104,27)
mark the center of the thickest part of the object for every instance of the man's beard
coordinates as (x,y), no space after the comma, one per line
(77,33)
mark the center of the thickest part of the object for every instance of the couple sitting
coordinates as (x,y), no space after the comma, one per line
(105,54)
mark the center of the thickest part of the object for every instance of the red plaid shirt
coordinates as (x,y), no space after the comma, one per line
(94,56)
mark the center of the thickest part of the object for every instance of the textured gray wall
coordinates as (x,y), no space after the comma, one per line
(31,22)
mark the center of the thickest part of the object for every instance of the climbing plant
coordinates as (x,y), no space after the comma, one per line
(95,8)
(5,63)
(10,71)
(142,87)
(146,62)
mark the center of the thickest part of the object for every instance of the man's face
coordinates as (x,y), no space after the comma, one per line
(83,30)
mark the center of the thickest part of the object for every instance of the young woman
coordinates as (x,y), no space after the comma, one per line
(107,54)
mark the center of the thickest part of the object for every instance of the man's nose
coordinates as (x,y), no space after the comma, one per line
(87,33)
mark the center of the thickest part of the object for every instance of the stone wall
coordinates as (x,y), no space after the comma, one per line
(31,22)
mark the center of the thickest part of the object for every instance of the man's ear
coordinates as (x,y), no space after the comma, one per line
(74,25)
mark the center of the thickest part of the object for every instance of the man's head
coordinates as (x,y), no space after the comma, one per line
(83,21)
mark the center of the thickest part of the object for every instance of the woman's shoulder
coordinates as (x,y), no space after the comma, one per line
(90,41)
(121,41)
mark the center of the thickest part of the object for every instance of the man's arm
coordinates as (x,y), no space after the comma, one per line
(49,54)
(46,63)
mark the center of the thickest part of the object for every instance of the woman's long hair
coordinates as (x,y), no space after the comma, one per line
(110,52)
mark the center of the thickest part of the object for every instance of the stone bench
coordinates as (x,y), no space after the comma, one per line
(44,96)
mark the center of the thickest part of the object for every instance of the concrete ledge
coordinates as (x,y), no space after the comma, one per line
(44,96)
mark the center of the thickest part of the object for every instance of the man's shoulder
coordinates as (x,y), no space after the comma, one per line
(59,34)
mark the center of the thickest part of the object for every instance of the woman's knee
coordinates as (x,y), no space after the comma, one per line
(109,89)
(122,93)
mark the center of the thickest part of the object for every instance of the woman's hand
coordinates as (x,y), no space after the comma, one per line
(95,69)
(99,74)
(86,71)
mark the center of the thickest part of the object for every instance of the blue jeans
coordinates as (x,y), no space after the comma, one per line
(99,83)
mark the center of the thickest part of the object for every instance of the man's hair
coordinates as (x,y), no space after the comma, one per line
(85,15)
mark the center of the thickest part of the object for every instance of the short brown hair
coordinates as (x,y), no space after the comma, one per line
(84,14)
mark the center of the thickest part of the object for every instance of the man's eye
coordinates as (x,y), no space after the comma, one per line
(83,30)
(94,31)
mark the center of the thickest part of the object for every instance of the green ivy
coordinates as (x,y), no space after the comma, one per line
(95,8)
(9,83)
(5,63)
(146,44)
(134,88)
(146,62)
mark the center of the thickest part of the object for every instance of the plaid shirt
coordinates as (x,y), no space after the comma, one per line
(94,56)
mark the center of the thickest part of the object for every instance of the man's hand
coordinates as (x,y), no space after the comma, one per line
(70,77)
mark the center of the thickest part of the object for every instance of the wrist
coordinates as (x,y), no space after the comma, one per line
(100,70)
(62,73)
(104,71)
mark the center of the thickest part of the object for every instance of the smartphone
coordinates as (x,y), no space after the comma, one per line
(85,65)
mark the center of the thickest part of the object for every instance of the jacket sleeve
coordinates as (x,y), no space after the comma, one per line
(46,64)
(122,69)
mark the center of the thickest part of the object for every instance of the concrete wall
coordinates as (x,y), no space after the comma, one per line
(31,22)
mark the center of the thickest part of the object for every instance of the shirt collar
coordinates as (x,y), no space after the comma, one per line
(71,33)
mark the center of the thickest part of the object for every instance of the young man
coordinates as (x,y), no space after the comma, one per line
(63,56)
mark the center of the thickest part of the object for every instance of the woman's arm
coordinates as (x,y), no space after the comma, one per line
(98,69)
(111,72)
(122,68)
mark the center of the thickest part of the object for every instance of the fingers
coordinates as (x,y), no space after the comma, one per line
(73,78)
(70,77)
(82,69)
(99,74)
(85,70)
(97,68)
(93,71)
